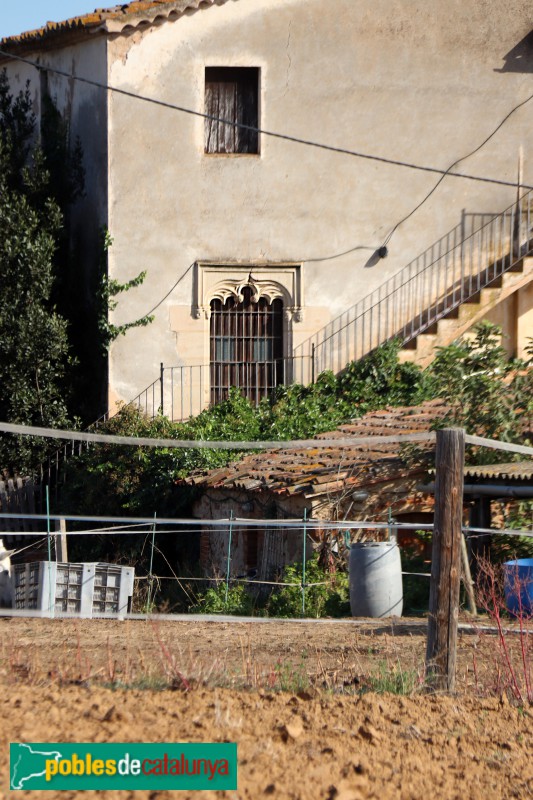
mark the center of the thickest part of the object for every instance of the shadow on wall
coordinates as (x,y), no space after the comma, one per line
(520,58)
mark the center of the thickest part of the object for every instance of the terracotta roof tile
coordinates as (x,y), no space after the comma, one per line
(318,470)
(137,13)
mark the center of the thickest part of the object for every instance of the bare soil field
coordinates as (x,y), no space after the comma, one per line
(320,710)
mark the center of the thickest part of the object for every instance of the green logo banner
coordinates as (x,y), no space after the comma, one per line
(123,766)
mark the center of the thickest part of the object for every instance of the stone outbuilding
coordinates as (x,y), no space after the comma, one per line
(360,482)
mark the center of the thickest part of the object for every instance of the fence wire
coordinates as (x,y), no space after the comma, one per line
(306,527)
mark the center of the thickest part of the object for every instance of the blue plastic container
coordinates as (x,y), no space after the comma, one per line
(518,586)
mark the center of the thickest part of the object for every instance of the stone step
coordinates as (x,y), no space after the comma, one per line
(421,349)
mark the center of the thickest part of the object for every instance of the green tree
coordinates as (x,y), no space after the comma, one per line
(34,357)
(478,380)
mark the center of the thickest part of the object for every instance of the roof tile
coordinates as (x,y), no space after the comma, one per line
(136,13)
(318,470)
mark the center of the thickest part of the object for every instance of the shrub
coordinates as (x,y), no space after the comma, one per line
(512,656)
(239,601)
(329,596)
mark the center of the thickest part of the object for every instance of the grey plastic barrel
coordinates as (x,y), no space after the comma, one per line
(375,579)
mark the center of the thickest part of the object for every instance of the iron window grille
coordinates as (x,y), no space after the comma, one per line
(246,342)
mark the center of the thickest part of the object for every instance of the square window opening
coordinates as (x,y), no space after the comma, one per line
(232,101)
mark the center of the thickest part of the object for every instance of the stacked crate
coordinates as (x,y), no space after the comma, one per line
(88,590)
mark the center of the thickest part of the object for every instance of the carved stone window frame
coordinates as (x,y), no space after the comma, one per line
(220,280)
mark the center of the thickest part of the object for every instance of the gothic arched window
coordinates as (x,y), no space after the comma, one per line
(246,342)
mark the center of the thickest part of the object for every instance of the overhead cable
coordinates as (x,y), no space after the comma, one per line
(456,162)
(169,291)
(263,131)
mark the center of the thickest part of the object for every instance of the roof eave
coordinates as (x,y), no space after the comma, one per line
(108,23)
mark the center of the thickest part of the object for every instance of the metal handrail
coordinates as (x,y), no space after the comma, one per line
(183,391)
(472,256)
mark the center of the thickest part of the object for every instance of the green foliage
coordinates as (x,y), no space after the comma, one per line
(380,379)
(518,515)
(63,159)
(239,601)
(108,290)
(375,381)
(473,376)
(507,548)
(115,479)
(522,389)
(470,375)
(34,358)
(140,480)
(299,412)
(330,597)
(291,677)
(415,587)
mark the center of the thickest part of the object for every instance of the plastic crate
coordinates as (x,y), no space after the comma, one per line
(87,589)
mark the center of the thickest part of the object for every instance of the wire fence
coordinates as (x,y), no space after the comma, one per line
(231,568)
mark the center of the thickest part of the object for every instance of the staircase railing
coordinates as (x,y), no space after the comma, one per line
(470,257)
(182,392)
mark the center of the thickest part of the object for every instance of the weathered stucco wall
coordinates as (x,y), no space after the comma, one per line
(270,549)
(421,82)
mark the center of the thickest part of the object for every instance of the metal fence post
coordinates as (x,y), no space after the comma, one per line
(61,541)
(303,562)
(229,556)
(161,378)
(150,574)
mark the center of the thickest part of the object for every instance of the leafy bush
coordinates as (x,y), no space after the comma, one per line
(487,392)
(518,515)
(111,480)
(239,601)
(415,588)
(380,379)
(329,597)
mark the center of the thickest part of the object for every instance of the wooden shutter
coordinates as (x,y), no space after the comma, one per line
(231,93)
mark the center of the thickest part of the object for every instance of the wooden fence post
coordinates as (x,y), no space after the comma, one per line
(446,559)
(61,541)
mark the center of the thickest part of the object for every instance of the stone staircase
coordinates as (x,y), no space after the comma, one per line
(421,349)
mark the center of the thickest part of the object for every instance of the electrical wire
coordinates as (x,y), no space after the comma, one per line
(458,161)
(181,277)
(306,142)
(272,134)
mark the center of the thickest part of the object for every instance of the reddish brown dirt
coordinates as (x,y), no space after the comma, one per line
(291,695)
